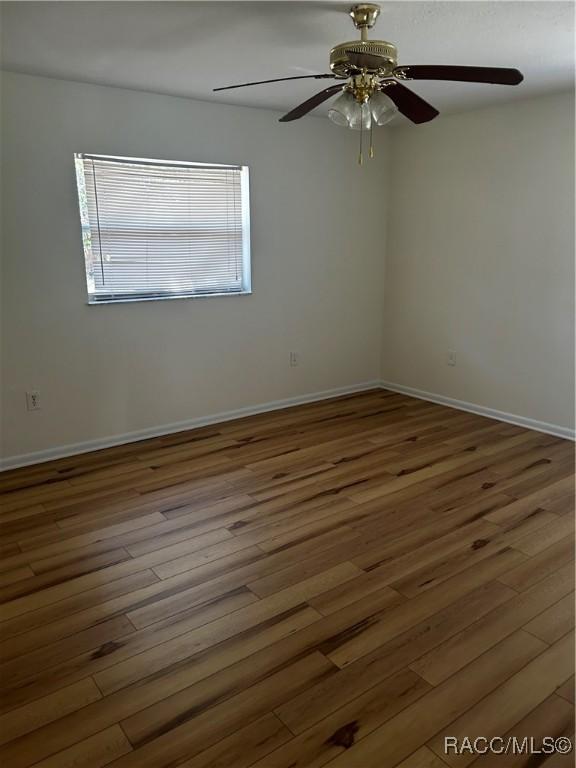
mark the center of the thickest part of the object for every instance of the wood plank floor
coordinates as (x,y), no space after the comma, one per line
(343,583)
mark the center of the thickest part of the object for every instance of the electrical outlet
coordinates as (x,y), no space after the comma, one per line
(33,400)
(294,359)
(451,358)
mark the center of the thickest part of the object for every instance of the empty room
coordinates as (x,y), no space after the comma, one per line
(287,384)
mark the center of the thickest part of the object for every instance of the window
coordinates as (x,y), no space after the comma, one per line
(157,230)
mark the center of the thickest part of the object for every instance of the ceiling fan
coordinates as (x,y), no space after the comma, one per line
(372,94)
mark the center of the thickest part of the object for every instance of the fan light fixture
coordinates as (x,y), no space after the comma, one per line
(349,112)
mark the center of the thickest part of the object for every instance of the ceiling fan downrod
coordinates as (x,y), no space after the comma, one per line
(364,16)
(379,57)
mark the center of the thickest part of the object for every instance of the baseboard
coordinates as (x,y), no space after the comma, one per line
(481,410)
(61,452)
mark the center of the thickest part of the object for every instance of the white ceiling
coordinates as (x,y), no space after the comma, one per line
(188,48)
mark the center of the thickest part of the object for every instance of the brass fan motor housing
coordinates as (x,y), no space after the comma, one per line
(341,66)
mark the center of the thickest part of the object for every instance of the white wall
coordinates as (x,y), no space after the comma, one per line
(480,258)
(108,370)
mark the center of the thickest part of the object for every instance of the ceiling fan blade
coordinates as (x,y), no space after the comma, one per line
(412,106)
(496,75)
(275,80)
(313,101)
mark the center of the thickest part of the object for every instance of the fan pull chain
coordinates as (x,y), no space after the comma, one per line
(371,142)
(360,159)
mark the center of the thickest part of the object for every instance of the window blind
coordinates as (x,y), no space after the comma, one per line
(154,229)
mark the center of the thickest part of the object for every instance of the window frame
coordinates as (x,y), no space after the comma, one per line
(128,298)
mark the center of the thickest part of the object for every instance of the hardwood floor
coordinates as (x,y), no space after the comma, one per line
(344,584)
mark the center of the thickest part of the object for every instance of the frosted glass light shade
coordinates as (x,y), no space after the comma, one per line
(342,109)
(361,117)
(383,109)
(348,113)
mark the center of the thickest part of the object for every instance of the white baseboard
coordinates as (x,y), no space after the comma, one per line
(481,410)
(62,451)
